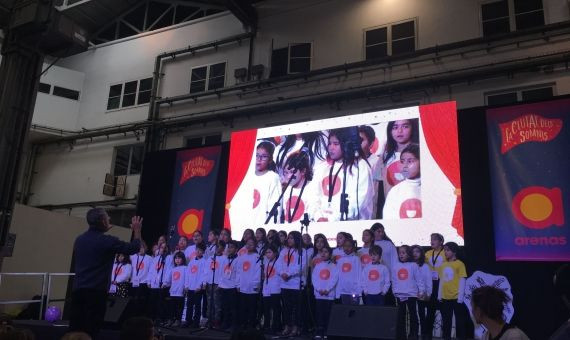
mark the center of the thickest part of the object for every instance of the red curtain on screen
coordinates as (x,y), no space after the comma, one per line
(439,124)
(241,151)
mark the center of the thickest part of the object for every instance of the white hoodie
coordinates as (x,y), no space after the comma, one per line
(121,273)
(325,277)
(158,272)
(195,275)
(404,200)
(389,253)
(248,273)
(229,277)
(291,266)
(141,265)
(375,279)
(349,271)
(210,264)
(177,278)
(406,282)
(272,277)
(425,277)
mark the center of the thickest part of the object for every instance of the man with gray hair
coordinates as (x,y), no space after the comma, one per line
(93,254)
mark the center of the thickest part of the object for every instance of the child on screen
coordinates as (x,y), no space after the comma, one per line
(266,184)
(400,134)
(324,278)
(404,199)
(452,276)
(375,279)
(299,197)
(406,285)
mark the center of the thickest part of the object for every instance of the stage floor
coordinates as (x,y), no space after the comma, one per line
(44,330)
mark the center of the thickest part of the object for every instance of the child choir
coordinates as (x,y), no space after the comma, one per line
(283,283)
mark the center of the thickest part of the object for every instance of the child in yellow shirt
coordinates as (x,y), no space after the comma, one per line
(452,276)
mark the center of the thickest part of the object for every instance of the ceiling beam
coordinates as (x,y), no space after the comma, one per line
(244,11)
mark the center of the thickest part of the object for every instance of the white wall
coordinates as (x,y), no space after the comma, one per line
(57,112)
(336,29)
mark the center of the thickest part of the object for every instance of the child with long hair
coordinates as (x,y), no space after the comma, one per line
(141,263)
(325,279)
(266,184)
(452,276)
(210,248)
(400,133)
(158,283)
(229,283)
(247,235)
(261,240)
(121,276)
(375,279)
(389,254)
(349,270)
(272,290)
(367,242)
(315,143)
(404,199)
(195,286)
(434,259)
(425,295)
(406,285)
(249,278)
(341,237)
(177,279)
(213,272)
(190,251)
(282,238)
(320,242)
(290,285)
(346,172)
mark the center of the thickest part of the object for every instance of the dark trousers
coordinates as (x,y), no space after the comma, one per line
(291,313)
(176,307)
(140,299)
(230,307)
(373,299)
(347,299)
(448,309)
(272,312)
(193,307)
(214,303)
(422,312)
(410,305)
(323,313)
(88,308)
(204,306)
(433,305)
(158,304)
(248,309)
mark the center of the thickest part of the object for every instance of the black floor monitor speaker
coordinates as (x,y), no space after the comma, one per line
(373,322)
(117,311)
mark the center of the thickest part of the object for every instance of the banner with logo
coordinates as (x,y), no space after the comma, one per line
(193,191)
(529,149)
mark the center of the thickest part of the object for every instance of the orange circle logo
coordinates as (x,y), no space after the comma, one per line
(325,185)
(365,259)
(291,206)
(246,266)
(325,274)
(194,269)
(403,274)
(346,267)
(373,275)
(411,208)
(336,257)
(288,258)
(538,207)
(271,273)
(256,198)
(140,266)
(176,276)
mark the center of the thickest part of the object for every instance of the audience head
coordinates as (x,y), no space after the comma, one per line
(76,336)
(137,328)
(487,304)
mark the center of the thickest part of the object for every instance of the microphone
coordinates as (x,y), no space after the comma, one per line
(303,153)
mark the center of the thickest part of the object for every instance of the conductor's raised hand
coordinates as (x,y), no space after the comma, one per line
(136,223)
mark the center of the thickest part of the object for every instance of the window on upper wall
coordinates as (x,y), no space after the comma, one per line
(128,160)
(512,96)
(128,94)
(505,16)
(196,142)
(392,39)
(296,58)
(209,77)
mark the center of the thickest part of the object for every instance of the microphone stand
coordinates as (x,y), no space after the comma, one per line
(261,274)
(344,198)
(304,223)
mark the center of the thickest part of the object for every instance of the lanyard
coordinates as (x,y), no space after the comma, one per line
(231,261)
(269,270)
(289,215)
(289,256)
(117,271)
(434,260)
(333,182)
(139,263)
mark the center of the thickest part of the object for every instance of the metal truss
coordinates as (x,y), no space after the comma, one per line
(149,15)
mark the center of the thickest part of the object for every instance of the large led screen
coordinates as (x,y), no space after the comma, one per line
(399,167)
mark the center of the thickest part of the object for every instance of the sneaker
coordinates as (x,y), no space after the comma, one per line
(203,322)
(175,324)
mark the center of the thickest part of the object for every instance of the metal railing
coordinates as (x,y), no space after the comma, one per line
(45,297)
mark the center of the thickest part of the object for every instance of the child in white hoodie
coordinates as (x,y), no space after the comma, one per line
(272,290)
(195,286)
(349,270)
(177,279)
(249,279)
(375,279)
(325,279)
(406,285)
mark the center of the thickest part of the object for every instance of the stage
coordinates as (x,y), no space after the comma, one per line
(44,330)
